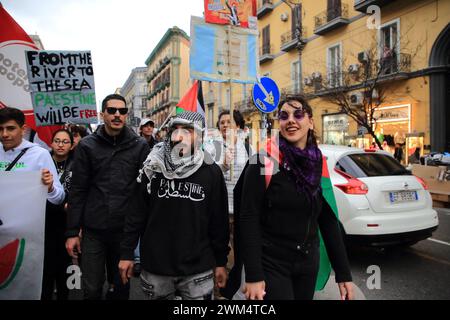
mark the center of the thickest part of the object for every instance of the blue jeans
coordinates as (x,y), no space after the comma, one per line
(195,287)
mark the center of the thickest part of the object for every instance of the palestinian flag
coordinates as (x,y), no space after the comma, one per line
(192,100)
(14,87)
(327,192)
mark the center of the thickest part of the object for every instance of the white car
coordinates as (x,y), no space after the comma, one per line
(380,203)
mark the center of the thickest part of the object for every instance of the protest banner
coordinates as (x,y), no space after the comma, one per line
(223,53)
(62,87)
(21,235)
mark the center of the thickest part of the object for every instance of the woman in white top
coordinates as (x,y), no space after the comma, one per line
(225,152)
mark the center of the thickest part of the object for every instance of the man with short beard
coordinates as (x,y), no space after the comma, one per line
(180,213)
(105,167)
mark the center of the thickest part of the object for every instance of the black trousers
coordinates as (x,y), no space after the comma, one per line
(56,258)
(98,249)
(293,276)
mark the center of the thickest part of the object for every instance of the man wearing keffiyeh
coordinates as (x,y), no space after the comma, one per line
(180,213)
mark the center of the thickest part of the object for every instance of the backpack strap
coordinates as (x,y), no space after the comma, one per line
(13,163)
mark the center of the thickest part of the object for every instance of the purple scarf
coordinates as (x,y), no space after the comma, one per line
(304,165)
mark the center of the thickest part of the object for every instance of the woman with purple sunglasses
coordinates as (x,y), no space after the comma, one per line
(280,222)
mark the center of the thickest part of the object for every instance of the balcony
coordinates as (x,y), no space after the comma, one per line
(266,53)
(245,106)
(264,7)
(331,19)
(393,67)
(289,40)
(362,5)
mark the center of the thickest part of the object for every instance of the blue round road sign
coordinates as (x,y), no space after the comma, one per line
(266,95)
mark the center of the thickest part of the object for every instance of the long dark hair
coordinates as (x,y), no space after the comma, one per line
(312,136)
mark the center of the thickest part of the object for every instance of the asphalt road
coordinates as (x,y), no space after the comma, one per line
(419,272)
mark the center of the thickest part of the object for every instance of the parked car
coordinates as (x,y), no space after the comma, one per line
(380,203)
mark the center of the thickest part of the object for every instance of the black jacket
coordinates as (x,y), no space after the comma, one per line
(284,221)
(104,171)
(182,224)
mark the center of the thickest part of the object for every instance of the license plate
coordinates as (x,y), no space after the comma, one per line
(403,196)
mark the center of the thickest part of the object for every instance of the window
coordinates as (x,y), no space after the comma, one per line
(266,40)
(296,76)
(363,165)
(296,19)
(334,9)
(389,47)
(334,66)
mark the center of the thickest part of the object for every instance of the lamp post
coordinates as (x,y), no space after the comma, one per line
(296,4)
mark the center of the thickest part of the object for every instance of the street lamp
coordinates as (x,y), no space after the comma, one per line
(295,6)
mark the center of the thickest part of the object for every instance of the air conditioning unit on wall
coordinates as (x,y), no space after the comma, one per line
(307,81)
(316,75)
(363,57)
(353,68)
(356,98)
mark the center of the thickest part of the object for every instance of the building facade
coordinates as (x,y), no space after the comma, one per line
(134,91)
(167,74)
(320,46)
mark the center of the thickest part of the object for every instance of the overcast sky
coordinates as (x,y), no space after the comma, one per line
(120,34)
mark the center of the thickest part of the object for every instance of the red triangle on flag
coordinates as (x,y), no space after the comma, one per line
(189,100)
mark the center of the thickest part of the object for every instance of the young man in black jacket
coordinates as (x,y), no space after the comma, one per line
(105,168)
(180,213)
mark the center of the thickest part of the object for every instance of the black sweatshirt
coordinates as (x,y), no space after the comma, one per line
(183,223)
(286,220)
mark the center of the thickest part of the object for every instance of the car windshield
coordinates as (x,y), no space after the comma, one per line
(362,165)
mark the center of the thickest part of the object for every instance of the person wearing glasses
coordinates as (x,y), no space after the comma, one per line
(279,221)
(56,259)
(106,164)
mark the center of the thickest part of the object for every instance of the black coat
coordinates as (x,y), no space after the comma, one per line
(104,171)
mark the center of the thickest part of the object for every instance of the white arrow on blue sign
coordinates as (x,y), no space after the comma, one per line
(266,95)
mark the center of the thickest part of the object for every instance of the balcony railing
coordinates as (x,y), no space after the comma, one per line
(264,7)
(266,53)
(331,19)
(362,5)
(289,40)
(393,65)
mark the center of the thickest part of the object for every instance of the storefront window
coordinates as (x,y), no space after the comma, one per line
(393,123)
(335,129)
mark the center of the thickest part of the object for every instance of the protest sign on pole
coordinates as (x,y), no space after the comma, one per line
(21,235)
(237,13)
(223,53)
(62,87)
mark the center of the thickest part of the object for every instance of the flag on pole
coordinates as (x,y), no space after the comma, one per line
(192,100)
(14,87)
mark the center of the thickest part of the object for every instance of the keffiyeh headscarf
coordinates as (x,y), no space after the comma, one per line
(164,159)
